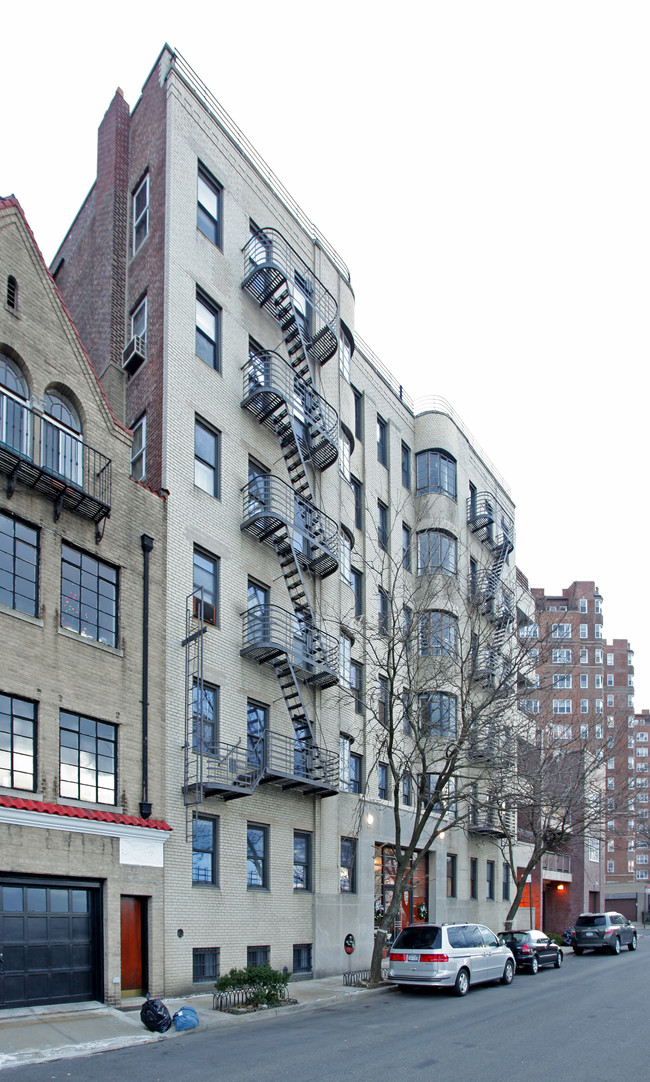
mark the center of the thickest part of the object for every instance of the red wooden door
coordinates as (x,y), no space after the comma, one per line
(133,942)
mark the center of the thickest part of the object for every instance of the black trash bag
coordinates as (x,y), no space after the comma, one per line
(155,1015)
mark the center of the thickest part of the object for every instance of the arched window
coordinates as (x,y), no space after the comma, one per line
(14,415)
(12,293)
(435,471)
(62,445)
(438,634)
(437,553)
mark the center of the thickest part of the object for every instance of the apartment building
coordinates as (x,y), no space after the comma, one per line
(221,325)
(82,704)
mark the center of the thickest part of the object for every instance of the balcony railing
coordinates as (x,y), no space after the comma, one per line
(235,770)
(490,521)
(272,510)
(271,384)
(269,263)
(270,632)
(486,821)
(490,746)
(494,599)
(43,456)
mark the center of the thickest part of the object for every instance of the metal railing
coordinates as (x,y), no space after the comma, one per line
(237,766)
(269,380)
(42,455)
(241,997)
(487,515)
(269,250)
(269,503)
(269,631)
(497,601)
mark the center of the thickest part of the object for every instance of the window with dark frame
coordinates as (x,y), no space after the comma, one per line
(17,743)
(205,964)
(207,458)
(435,472)
(12,293)
(257,857)
(87,759)
(302,958)
(382,781)
(358,414)
(208,327)
(205,719)
(382,700)
(140,213)
(204,851)
(139,449)
(407,790)
(356,582)
(206,579)
(406,466)
(348,865)
(438,634)
(452,863)
(209,196)
(302,860)
(19,565)
(505,884)
(356,685)
(89,592)
(139,320)
(437,553)
(382,441)
(258,956)
(473,877)
(382,525)
(356,766)
(489,874)
(438,712)
(406,547)
(382,606)
(357,489)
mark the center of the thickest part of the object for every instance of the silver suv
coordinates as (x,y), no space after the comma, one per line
(449,956)
(603,931)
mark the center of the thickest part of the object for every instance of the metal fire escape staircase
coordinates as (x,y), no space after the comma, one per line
(494,526)
(281,395)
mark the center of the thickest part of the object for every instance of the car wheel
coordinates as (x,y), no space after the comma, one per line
(578,950)
(508,973)
(632,944)
(534,965)
(461,984)
(616,946)
(559,960)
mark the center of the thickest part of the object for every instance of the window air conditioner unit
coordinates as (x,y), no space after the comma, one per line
(134,355)
(209,611)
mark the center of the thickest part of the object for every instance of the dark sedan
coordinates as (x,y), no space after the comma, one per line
(532,949)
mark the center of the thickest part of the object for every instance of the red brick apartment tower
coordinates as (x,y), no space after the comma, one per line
(571,693)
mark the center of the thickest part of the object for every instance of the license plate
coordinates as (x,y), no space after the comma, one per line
(589,933)
(412,957)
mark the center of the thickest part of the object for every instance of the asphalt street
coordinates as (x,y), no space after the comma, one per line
(585,1022)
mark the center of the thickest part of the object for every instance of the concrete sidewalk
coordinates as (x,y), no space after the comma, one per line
(38,1034)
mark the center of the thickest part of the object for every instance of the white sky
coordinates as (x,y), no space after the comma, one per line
(484,169)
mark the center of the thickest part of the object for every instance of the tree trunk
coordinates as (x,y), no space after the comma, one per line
(381,938)
(515,904)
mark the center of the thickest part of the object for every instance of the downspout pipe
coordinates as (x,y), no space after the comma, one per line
(145,805)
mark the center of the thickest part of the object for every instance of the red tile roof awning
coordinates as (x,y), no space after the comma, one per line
(81,813)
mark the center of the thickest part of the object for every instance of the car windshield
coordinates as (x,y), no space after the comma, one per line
(420,937)
(591,922)
(512,937)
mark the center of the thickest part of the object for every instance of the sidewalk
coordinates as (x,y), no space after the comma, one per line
(38,1034)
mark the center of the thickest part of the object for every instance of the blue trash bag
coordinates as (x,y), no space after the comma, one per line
(186,1018)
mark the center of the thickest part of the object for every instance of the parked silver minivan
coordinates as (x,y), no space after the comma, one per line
(449,956)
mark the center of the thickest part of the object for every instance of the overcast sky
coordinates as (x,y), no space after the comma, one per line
(483,168)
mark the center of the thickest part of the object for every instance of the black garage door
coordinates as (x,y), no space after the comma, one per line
(50,942)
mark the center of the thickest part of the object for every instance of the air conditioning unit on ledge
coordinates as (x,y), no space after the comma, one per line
(134,355)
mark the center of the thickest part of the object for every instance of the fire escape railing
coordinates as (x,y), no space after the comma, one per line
(274,514)
(269,632)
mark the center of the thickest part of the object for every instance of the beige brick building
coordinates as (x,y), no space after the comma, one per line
(82,815)
(221,322)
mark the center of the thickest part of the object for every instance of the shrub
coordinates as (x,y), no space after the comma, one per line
(265,986)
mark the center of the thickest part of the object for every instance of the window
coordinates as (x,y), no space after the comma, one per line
(489,869)
(356,582)
(382,604)
(584,732)
(208,318)
(139,321)
(17,743)
(140,213)
(529,631)
(258,956)
(406,547)
(562,706)
(207,458)
(438,634)
(257,723)
(382,781)
(529,706)
(205,719)
(345,355)
(630,681)
(473,877)
(598,680)
(562,732)
(406,466)
(345,658)
(88,596)
(437,553)
(19,564)
(642,738)
(87,759)
(12,293)
(599,706)
(584,631)
(598,606)
(584,655)
(561,631)
(593,849)
(598,631)
(356,766)
(382,700)
(435,471)
(642,753)
(407,790)
(610,659)
(641,875)
(382,526)
(358,414)
(584,706)
(206,585)
(302,846)
(345,453)
(302,958)
(610,866)
(204,850)
(583,604)
(257,857)
(14,419)
(505,883)
(584,680)
(562,680)
(357,490)
(562,657)
(382,441)
(345,556)
(205,965)
(452,862)
(598,657)
(348,866)
(356,685)
(438,712)
(62,450)
(208,213)
(139,449)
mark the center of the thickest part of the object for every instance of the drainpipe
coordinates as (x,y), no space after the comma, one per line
(147,546)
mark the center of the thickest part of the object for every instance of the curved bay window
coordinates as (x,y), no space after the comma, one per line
(438,713)
(435,472)
(14,417)
(437,553)
(438,634)
(62,446)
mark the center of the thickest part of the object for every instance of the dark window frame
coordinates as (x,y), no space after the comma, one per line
(452,875)
(356,773)
(356,582)
(76,611)
(382,781)
(438,558)
(406,466)
(207,744)
(490,877)
(13,550)
(305,866)
(436,473)
(356,685)
(382,612)
(138,216)
(357,488)
(263,859)
(382,525)
(348,866)
(212,596)
(358,414)
(212,880)
(473,878)
(206,223)
(101,734)
(258,955)
(201,425)
(206,348)
(382,441)
(302,958)
(202,972)
(10,775)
